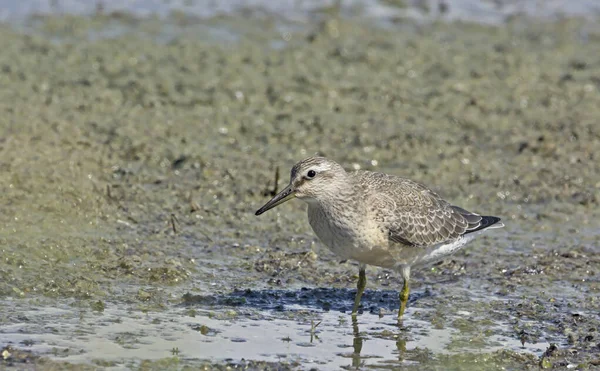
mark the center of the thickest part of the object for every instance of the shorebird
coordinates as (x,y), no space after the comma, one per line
(379,219)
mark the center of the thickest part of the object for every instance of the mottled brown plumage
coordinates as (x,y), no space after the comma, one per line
(413,214)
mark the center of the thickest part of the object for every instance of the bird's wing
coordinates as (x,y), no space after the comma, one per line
(413,214)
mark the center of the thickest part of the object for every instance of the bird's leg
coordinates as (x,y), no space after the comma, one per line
(362,283)
(403,299)
(357,344)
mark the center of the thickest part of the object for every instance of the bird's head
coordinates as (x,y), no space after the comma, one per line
(311,180)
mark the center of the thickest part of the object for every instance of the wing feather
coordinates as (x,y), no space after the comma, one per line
(413,214)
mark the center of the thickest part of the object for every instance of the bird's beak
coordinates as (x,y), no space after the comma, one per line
(285,195)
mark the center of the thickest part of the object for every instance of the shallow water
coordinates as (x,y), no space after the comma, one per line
(132,160)
(490,12)
(296,335)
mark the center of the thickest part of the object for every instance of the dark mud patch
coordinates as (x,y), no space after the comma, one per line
(339,300)
(14,357)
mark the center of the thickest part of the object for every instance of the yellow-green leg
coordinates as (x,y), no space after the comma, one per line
(362,283)
(403,299)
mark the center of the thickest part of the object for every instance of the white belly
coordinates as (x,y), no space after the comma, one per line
(428,255)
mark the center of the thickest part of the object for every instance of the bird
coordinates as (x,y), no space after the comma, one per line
(379,219)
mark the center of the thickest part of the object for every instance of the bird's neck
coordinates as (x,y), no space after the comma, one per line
(338,200)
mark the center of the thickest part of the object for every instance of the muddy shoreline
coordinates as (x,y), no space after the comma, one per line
(131,165)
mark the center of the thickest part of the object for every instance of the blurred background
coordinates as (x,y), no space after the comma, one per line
(137,138)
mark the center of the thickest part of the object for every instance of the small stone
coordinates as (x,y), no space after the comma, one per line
(143,295)
(545,363)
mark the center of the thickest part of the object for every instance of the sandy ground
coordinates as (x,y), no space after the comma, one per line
(133,154)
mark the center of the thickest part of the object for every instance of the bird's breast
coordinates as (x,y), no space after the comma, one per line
(348,237)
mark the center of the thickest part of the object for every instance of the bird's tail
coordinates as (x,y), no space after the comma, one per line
(478,222)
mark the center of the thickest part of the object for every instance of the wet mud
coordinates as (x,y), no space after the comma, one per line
(134,152)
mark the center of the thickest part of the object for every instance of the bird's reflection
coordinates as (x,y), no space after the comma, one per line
(357,343)
(358,339)
(401,346)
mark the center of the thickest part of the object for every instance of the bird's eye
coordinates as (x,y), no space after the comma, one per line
(311,174)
